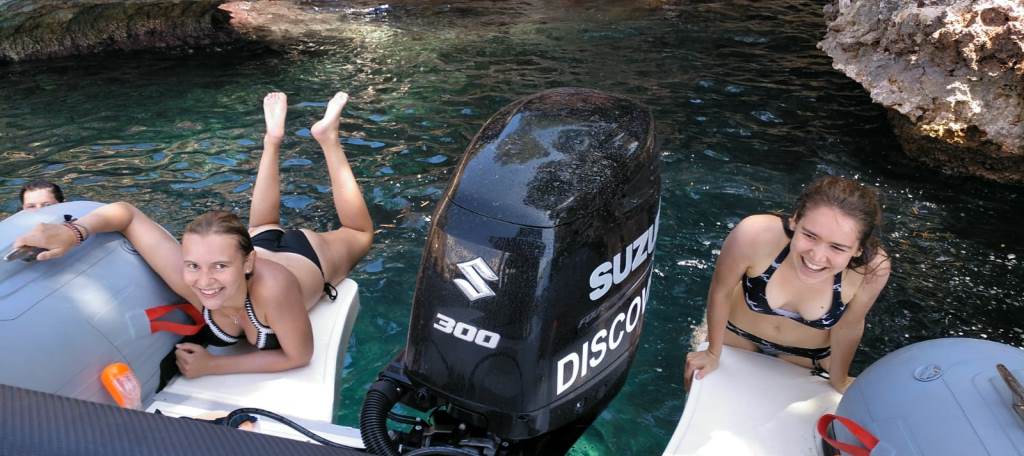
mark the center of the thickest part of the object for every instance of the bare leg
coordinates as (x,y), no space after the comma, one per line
(347,245)
(348,199)
(265,208)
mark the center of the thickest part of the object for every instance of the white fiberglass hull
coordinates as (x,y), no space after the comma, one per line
(305,395)
(753,404)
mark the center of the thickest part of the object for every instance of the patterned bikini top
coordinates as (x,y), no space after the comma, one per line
(754,295)
(265,337)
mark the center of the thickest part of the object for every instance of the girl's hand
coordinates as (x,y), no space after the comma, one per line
(193,360)
(700,364)
(56,239)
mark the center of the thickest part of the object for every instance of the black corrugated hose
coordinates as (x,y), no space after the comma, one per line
(442,451)
(373,426)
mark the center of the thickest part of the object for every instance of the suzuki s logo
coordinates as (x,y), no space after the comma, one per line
(476,271)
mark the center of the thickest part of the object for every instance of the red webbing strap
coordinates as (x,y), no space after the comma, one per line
(862,435)
(181,329)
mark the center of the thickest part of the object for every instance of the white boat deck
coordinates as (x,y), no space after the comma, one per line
(753,404)
(305,395)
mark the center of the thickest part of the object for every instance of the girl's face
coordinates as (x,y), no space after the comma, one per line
(215,269)
(38,198)
(824,241)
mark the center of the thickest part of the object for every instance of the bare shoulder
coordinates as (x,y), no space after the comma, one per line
(272,285)
(876,275)
(878,269)
(761,224)
(758,232)
(750,246)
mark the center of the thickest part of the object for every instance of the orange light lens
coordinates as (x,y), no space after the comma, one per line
(120,382)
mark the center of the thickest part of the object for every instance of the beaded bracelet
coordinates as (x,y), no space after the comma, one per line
(85,231)
(79,237)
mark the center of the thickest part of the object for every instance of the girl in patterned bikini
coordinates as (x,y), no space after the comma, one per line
(799,287)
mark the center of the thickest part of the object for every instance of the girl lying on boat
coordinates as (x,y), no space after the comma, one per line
(799,287)
(254,283)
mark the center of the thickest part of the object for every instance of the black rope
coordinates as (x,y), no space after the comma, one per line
(296,426)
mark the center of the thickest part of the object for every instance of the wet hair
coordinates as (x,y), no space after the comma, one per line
(41,184)
(856,200)
(222,222)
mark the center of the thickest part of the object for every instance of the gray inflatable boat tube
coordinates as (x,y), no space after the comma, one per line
(62,321)
(939,397)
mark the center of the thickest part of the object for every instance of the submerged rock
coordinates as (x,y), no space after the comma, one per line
(951,73)
(33,29)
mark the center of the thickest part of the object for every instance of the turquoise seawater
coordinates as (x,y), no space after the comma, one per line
(747,111)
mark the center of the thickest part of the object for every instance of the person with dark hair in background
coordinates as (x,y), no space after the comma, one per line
(40,193)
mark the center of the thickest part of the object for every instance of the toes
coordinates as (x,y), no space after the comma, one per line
(274,96)
(339,99)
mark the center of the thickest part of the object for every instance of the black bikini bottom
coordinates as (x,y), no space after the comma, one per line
(293,241)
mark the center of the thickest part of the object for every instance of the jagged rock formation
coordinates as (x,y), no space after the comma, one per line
(951,73)
(290,23)
(32,29)
(279,22)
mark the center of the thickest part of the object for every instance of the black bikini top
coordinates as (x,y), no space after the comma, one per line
(265,337)
(754,295)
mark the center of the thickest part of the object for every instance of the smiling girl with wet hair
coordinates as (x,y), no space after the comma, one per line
(799,287)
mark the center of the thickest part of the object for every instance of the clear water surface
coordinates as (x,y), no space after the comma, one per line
(747,112)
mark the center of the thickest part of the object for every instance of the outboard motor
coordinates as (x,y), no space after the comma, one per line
(530,299)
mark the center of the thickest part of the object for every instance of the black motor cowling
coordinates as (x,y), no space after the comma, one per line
(535,278)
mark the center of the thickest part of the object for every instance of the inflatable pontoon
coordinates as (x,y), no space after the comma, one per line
(64,320)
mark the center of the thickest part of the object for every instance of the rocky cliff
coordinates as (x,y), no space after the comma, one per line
(31,29)
(951,73)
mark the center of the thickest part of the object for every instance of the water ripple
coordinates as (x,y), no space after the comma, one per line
(747,111)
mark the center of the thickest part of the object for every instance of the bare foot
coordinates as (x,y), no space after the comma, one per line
(275,108)
(326,130)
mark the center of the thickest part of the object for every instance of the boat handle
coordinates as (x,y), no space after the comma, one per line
(24,253)
(1015,388)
